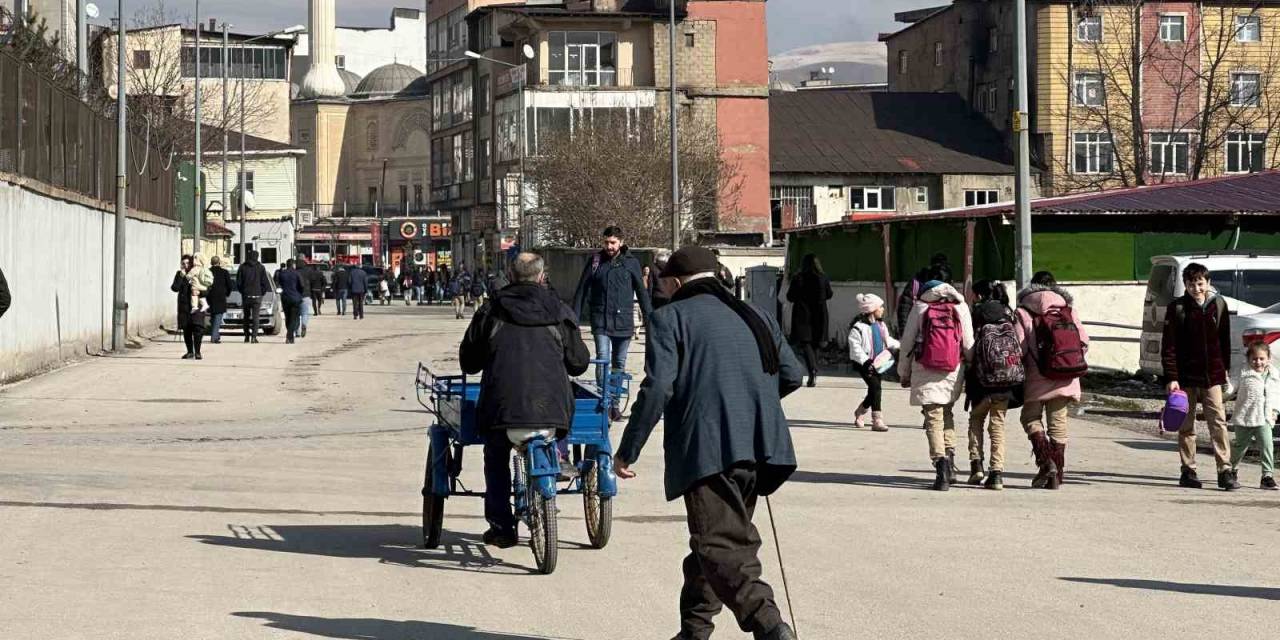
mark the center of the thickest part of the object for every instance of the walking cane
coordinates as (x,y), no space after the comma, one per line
(778,547)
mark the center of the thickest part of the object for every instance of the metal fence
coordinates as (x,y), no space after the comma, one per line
(48,134)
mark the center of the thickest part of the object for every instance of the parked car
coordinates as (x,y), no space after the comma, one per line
(1250,282)
(270,314)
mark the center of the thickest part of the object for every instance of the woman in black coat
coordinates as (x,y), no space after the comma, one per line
(809,292)
(192,333)
(217,297)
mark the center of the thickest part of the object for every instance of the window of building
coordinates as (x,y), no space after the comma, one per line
(484,33)
(1089,29)
(340,62)
(1092,153)
(371,135)
(269,255)
(1169,153)
(246,180)
(582,58)
(483,159)
(1246,152)
(404,198)
(1245,89)
(1249,28)
(902,62)
(451,100)
(993,40)
(980,197)
(141,58)
(800,198)
(937,54)
(373,195)
(254,62)
(921,195)
(993,98)
(417,198)
(482,97)
(1173,28)
(689,39)
(871,199)
(304,136)
(1090,90)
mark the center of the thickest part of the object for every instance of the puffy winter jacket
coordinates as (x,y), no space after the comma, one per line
(252,280)
(1033,301)
(1258,398)
(607,291)
(929,386)
(862,340)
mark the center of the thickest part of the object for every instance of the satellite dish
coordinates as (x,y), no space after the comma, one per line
(528,52)
(247,198)
(91,10)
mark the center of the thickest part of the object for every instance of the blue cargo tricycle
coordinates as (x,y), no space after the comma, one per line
(535,464)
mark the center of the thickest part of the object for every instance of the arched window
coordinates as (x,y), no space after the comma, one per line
(372,133)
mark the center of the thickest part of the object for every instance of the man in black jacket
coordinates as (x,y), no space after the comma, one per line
(5,298)
(253,282)
(341,288)
(293,294)
(526,341)
(216,295)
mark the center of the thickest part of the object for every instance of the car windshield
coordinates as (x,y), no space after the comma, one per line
(1260,288)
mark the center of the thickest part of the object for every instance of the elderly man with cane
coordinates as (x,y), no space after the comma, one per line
(726,439)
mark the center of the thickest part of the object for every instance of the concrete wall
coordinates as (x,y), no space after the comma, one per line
(1111,311)
(57,258)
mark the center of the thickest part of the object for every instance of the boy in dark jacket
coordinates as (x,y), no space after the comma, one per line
(527,343)
(1196,353)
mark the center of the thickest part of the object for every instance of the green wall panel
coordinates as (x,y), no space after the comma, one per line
(1075,256)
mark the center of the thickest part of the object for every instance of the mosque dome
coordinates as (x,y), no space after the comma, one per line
(350,79)
(389,81)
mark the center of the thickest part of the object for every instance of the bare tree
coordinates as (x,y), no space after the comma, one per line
(617,170)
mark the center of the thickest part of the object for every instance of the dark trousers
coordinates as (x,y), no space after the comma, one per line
(497,480)
(872,378)
(810,357)
(292,312)
(192,336)
(723,567)
(358,301)
(317,302)
(252,308)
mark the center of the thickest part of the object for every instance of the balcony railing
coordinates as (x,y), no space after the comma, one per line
(370,210)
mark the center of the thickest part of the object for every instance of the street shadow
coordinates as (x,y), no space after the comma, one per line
(1231,591)
(861,479)
(376,628)
(1123,478)
(838,426)
(1149,445)
(394,544)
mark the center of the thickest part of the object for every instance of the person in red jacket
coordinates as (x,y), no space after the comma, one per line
(1196,353)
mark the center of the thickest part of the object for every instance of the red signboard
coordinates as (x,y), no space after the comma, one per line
(375,233)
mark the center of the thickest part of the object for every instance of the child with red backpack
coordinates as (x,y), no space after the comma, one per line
(993,384)
(1054,345)
(939,338)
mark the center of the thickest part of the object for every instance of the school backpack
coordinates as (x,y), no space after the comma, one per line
(998,355)
(1058,348)
(939,344)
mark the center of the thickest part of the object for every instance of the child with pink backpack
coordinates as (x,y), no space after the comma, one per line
(937,340)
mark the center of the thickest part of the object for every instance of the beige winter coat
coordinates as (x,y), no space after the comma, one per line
(200,276)
(929,386)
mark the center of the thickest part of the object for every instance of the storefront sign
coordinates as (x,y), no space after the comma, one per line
(422,229)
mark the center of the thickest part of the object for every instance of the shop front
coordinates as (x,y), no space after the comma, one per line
(423,241)
(327,242)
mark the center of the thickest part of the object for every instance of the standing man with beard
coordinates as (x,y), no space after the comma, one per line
(717,368)
(611,283)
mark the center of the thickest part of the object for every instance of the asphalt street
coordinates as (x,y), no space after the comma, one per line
(272,491)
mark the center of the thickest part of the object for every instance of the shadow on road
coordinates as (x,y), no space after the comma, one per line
(1149,445)
(1231,591)
(396,544)
(376,628)
(861,479)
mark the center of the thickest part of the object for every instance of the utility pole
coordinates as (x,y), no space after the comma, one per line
(120,308)
(198,167)
(675,139)
(226,117)
(1021,124)
(244,247)
(82,44)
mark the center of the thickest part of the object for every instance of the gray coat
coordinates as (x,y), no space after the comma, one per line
(703,371)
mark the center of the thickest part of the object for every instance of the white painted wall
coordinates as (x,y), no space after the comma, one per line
(368,49)
(57,258)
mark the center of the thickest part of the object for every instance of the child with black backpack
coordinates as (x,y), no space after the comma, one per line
(993,385)
(939,338)
(1054,345)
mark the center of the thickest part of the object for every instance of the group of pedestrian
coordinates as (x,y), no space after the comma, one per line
(350,284)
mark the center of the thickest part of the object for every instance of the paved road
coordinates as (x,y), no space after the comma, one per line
(272,492)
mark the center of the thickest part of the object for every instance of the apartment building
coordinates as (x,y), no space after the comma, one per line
(1123,93)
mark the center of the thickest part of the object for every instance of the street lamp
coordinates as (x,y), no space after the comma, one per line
(528,53)
(297,28)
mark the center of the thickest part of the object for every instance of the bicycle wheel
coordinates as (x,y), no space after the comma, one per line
(543,537)
(599,509)
(432,510)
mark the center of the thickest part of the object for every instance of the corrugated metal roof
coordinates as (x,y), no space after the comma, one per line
(1246,195)
(841,132)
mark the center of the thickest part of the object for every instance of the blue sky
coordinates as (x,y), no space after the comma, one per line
(792,23)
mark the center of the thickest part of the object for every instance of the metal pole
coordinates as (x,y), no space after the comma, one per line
(82,44)
(198,167)
(675,157)
(120,307)
(1021,124)
(525,231)
(244,247)
(226,117)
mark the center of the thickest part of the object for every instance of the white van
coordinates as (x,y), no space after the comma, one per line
(1249,281)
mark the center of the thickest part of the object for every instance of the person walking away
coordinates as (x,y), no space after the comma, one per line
(993,385)
(606,295)
(717,368)
(526,345)
(192,332)
(292,295)
(252,282)
(457,295)
(341,288)
(478,288)
(939,331)
(359,288)
(870,347)
(419,286)
(911,290)
(1054,347)
(809,292)
(304,309)
(315,282)
(216,296)
(1196,354)
(6,299)
(406,285)
(1254,417)
(429,283)
(384,291)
